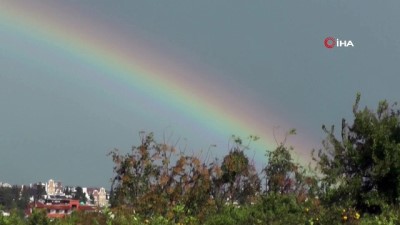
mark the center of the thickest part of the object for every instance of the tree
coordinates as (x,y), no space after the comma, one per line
(79,195)
(154,178)
(91,197)
(137,172)
(39,191)
(24,198)
(362,166)
(280,171)
(239,176)
(67,190)
(16,197)
(7,198)
(284,176)
(38,217)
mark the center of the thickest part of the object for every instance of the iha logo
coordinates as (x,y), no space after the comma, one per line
(331,42)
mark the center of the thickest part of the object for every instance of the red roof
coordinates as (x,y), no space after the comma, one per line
(69,205)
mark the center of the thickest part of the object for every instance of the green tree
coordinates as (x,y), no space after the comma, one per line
(91,197)
(239,176)
(14,197)
(6,198)
(361,168)
(24,198)
(155,179)
(79,195)
(280,171)
(137,172)
(68,190)
(283,175)
(38,217)
(39,191)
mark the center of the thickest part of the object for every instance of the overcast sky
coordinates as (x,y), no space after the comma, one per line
(269,52)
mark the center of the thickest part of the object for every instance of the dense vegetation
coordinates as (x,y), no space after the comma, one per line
(356,180)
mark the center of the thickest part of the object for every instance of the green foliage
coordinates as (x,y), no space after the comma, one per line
(388,217)
(79,195)
(239,177)
(232,215)
(281,209)
(14,219)
(13,197)
(280,171)
(234,164)
(38,217)
(154,179)
(362,168)
(358,183)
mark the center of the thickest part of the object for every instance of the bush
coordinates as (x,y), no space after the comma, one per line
(232,215)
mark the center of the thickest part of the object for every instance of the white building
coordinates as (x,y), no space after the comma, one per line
(5,185)
(54,188)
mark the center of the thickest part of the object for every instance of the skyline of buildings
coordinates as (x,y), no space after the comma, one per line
(59,200)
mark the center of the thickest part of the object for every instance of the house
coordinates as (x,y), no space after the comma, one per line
(54,188)
(58,207)
(100,196)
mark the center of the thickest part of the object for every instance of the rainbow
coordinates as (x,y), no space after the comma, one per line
(140,69)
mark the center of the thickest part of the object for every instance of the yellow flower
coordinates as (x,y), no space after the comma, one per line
(146,221)
(357,216)
(344,217)
(343,210)
(307,209)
